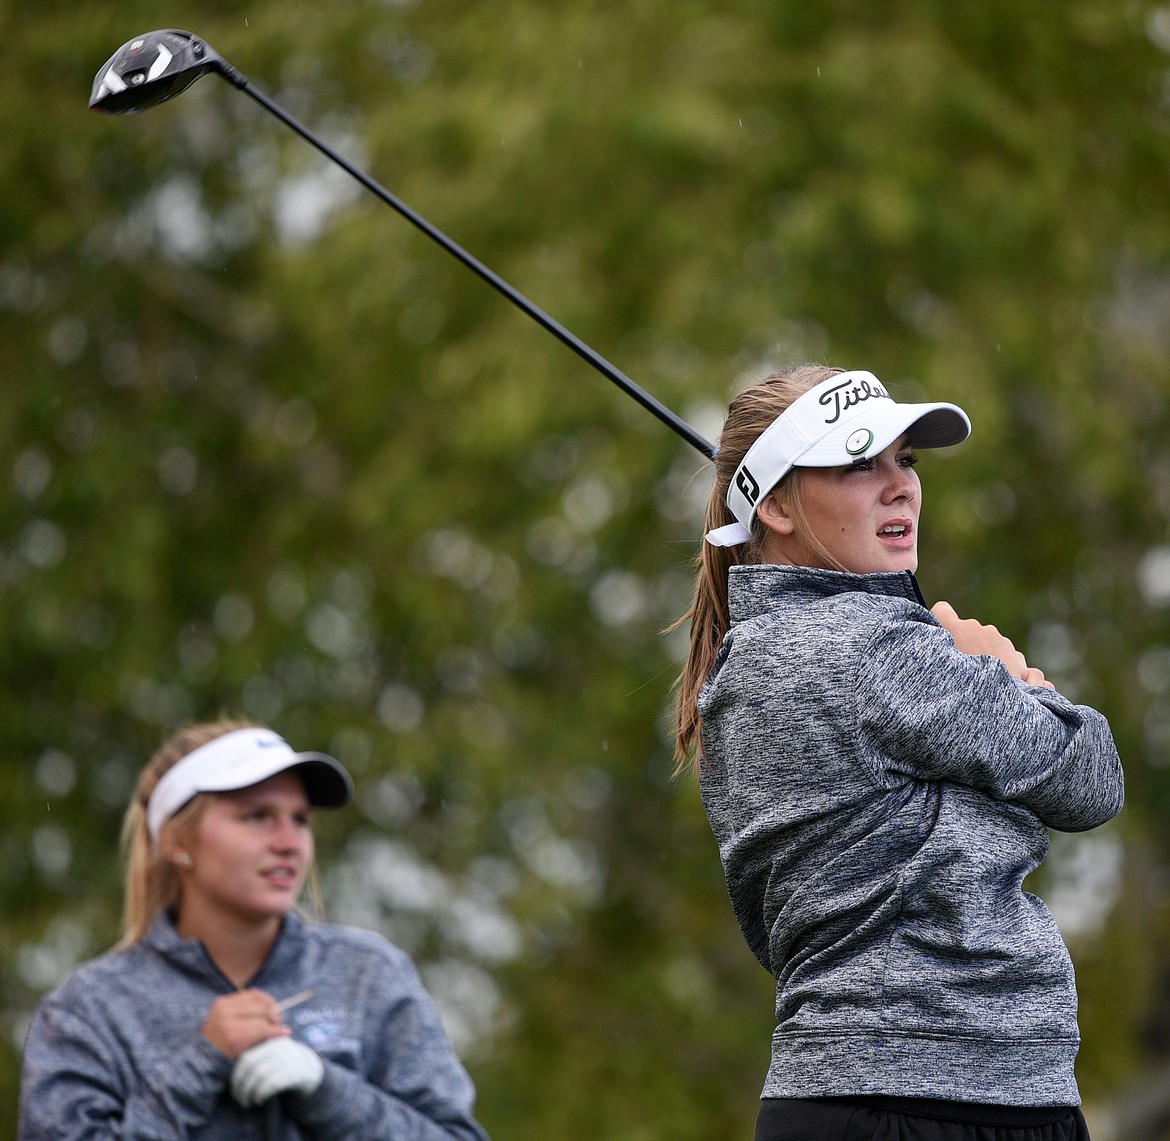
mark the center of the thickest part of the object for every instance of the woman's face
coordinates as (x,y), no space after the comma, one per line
(251,855)
(865,516)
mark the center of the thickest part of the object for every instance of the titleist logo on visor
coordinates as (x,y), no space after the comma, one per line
(848,395)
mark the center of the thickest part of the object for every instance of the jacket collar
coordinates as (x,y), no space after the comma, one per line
(755,589)
(190,956)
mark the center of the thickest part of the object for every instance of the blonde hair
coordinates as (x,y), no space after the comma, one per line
(152,883)
(748,415)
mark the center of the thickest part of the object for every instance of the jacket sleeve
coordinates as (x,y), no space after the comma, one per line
(413,1086)
(931,712)
(74,1089)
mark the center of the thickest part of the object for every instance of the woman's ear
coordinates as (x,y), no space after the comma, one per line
(774,514)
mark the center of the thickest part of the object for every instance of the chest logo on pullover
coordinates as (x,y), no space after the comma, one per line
(320,1028)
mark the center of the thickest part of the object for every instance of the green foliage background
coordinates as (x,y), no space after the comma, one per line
(269,450)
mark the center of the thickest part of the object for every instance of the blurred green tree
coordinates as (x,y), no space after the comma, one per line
(271,451)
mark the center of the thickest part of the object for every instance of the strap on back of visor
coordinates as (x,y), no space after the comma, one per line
(729,536)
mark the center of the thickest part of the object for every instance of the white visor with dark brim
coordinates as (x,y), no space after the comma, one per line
(240,759)
(844,419)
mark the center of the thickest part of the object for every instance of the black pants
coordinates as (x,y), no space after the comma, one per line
(911,1119)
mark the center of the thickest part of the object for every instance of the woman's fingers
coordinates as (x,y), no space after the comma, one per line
(973,637)
(238,1021)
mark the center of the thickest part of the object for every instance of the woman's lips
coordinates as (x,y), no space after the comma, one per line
(897,532)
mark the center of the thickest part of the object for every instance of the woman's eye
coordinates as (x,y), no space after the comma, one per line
(861,465)
(908,459)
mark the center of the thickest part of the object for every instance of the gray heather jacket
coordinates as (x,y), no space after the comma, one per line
(878,798)
(117,1050)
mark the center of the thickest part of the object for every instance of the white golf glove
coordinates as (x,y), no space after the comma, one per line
(278,1065)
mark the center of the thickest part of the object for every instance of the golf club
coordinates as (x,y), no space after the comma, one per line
(155,67)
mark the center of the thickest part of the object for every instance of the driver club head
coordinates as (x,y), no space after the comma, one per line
(151,69)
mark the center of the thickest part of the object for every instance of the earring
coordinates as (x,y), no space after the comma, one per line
(183,860)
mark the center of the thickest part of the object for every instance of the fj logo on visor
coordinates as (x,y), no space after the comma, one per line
(746,483)
(859,441)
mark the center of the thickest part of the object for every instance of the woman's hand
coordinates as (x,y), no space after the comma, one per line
(239,1021)
(973,637)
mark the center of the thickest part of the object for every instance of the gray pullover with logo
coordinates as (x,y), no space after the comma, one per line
(878,798)
(117,1050)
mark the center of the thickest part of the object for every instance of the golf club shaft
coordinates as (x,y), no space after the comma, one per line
(476,266)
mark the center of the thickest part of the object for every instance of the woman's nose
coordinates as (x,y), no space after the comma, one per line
(288,834)
(902,483)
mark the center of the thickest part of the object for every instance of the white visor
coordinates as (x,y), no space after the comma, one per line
(241,759)
(846,418)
